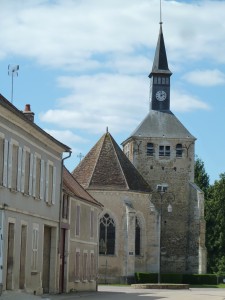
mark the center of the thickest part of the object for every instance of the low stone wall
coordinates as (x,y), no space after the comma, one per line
(160,286)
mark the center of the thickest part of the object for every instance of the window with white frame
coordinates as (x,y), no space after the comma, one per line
(77,221)
(35,237)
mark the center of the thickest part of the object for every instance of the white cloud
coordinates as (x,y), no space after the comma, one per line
(66,135)
(184,102)
(99,101)
(78,34)
(205,77)
(116,101)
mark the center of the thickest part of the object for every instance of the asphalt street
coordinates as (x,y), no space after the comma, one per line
(125,293)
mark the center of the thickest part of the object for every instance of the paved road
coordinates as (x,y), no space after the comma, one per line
(126,293)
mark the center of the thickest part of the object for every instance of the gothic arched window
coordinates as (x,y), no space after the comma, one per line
(137,237)
(107,235)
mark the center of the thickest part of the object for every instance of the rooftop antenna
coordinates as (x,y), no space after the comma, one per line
(13,71)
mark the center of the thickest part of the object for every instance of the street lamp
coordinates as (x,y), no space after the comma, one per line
(162,192)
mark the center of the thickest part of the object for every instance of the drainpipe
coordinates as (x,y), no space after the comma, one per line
(1,248)
(61,198)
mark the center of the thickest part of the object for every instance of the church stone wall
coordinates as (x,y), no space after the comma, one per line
(124,206)
(182,229)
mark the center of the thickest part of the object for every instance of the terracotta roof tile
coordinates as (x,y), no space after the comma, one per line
(107,167)
(71,185)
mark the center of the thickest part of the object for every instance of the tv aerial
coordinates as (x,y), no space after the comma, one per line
(13,71)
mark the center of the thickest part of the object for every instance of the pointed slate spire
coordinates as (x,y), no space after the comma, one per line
(160,64)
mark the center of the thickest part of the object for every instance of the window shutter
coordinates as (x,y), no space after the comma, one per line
(19,169)
(10,166)
(34,175)
(31,173)
(42,179)
(23,170)
(54,185)
(46,182)
(5,168)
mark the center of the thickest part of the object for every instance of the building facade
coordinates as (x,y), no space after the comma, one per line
(30,184)
(79,237)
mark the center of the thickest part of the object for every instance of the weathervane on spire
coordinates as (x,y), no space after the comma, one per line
(160,13)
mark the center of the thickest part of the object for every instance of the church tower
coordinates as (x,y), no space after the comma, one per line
(162,150)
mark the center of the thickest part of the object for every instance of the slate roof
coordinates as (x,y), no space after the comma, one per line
(75,189)
(159,124)
(107,167)
(160,64)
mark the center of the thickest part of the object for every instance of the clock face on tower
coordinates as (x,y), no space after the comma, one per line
(161,95)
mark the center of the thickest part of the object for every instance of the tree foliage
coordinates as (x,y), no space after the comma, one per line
(215,225)
(201,177)
(214,217)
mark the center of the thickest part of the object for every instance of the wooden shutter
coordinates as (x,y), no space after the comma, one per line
(10,165)
(34,175)
(19,169)
(54,185)
(31,173)
(5,164)
(42,179)
(23,170)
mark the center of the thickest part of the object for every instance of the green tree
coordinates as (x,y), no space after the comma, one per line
(215,226)
(201,177)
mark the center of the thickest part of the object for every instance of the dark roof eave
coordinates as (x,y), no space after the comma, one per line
(21,115)
(156,71)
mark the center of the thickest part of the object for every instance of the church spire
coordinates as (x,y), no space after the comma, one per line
(160,64)
(160,76)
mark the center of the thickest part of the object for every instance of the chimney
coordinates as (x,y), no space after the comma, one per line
(28,113)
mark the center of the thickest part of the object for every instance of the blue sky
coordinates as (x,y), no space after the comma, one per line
(84,66)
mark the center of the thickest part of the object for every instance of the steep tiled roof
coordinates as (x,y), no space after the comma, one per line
(107,167)
(73,187)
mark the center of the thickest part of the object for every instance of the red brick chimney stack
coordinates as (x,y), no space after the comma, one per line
(28,113)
